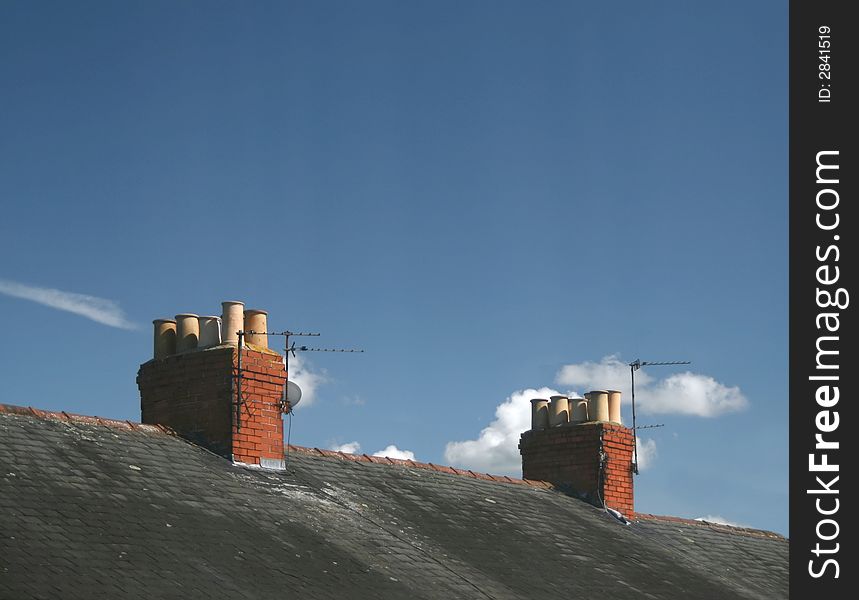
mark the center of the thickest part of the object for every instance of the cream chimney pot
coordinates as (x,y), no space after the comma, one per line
(539,413)
(232,321)
(256,320)
(597,405)
(165,338)
(614,406)
(578,410)
(210,331)
(559,410)
(187,331)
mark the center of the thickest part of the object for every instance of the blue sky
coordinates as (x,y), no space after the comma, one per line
(488,197)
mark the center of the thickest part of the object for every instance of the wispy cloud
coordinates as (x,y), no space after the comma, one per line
(100,310)
(646,452)
(306,378)
(348,448)
(355,400)
(719,520)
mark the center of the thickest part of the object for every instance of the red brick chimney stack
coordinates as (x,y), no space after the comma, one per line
(195,393)
(591,458)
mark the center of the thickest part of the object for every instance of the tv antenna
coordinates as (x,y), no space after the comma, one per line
(291,391)
(633,367)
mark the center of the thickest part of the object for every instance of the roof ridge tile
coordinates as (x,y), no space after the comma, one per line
(12,409)
(710,525)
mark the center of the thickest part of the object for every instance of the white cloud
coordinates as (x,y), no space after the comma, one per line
(720,520)
(496,449)
(393,452)
(100,310)
(307,379)
(692,394)
(348,448)
(681,393)
(646,452)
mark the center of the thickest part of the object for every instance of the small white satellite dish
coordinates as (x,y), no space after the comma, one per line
(293,394)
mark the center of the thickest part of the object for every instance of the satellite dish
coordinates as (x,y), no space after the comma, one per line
(293,394)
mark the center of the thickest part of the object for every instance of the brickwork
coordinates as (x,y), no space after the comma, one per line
(569,455)
(259,436)
(194,394)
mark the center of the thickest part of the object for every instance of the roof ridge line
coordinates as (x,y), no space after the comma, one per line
(61,415)
(413,464)
(751,531)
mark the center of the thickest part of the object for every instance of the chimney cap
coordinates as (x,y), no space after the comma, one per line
(539,400)
(156,321)
(209,317)
(233,302)
(188,315)
(613,391)
(559,396)
(255,311)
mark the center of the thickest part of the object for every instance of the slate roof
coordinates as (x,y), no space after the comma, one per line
(92,508)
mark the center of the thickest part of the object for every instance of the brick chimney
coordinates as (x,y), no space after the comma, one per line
(591,458)
(195,393)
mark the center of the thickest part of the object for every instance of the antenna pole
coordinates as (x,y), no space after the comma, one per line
(241,335)
(286,349)
(634,429)
(633,367)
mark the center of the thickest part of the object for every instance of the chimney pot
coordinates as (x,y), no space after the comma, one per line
(597,405)
(187,331)
(232,320)
(559,411)
(539,413)
(256,320)
(578,410)
(210,331)
(165,338)
(614,406)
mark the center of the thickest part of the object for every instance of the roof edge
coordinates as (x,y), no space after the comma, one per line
(762,533)
(385,460)
(29,411)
